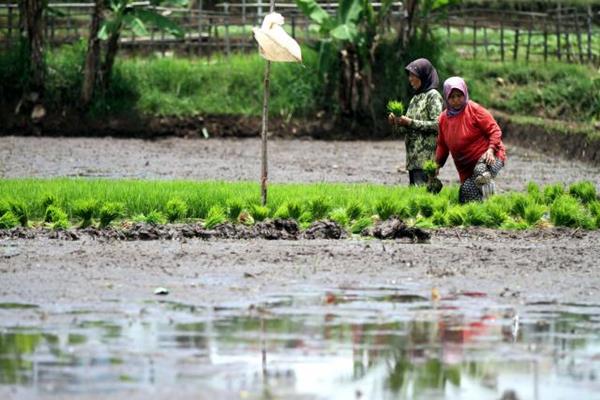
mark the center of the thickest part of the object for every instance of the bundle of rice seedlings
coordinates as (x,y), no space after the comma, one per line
(456,216)
(584,191)
(430,167)
(294,210)
(109,212)
(534,192)
(424,223)
(395,107)
(426,205)
(19,210)
(339,215)
(354,210)
(567,211)
(62,223)
(519,203)
(245,218)
(176,209)
(8,220)
(85,209)
(534,212)
(360,225)
(385,208)
(54,214)
(439,218)
(594,208)
(282,212)
(258,212)
(155,217)
(318,207)
(214,217)
(48,199)
(233,208)
(511,224)
(551,192)
(476,215)
(496,214)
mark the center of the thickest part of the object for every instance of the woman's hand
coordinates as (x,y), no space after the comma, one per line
(488,157)
(403,121)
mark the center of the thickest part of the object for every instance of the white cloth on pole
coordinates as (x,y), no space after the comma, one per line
(273,41)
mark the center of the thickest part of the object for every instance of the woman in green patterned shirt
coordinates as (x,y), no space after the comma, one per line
(420,124)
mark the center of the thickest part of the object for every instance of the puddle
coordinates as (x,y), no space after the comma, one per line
(361,343)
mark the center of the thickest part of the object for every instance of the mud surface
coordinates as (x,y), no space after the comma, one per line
(50,284)
(238,159)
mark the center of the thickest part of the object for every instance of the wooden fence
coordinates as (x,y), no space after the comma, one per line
(571,34)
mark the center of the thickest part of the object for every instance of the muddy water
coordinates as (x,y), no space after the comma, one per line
(351,343)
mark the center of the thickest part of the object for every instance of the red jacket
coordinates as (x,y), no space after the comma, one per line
(467,136)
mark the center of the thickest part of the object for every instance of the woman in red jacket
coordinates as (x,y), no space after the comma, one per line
(469,132)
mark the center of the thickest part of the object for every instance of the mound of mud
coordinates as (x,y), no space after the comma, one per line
(277,229)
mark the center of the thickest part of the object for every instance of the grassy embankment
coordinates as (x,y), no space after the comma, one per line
(61,203)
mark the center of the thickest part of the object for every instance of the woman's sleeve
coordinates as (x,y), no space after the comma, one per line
(441,150)
(432,110)
(489,128)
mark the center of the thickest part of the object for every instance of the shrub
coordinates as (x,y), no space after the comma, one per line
(8,220)
(385,208)
(584,191)
(215,216)
(456,216)
(85,209)
(339,215)
(258,212)
(155,217)
(567,211)
(551,192)
(361,224)
(109,212)
(176,209)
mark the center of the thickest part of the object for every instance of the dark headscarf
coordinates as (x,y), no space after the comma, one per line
(422,68)
(455,82)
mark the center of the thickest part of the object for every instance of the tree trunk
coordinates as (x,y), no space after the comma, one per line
(92,59)
(111,53)
(33,94)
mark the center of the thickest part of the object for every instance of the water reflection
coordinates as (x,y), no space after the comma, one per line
(359,343)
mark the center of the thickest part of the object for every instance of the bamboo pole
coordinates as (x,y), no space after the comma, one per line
(265,126)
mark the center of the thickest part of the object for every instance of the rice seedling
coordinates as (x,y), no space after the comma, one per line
(425,223)
(511,224)
(354,210)
(519,203)
(8,220)
(567,211)
(54,214)
(430,167)
(48,199)
(177,209)
(19,210)
(155,217)
(551,192)
(233,208)
(258,212)
(85,209)
(496,215)
(594,208)
(426,205)
(439,218)
(476,215)
(339,215)
(533,213)
(395,107)
(456,216)
(61,223)
(109,212)
(533,190)
(361,224)
(245,218)
(584,191)
(215,216)
(385,208)
(319,207)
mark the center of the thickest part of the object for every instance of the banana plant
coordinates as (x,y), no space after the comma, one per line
(125,13)
(348,43)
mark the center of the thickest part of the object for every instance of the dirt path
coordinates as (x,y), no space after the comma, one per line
(237,159)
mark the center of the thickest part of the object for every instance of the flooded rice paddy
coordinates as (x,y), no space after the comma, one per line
(350,343)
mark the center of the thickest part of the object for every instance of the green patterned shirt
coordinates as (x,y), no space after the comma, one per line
(421,135)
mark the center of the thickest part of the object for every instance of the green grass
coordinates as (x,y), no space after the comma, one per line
(355,206)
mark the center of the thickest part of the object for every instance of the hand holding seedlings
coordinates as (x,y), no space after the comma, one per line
(488,157)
